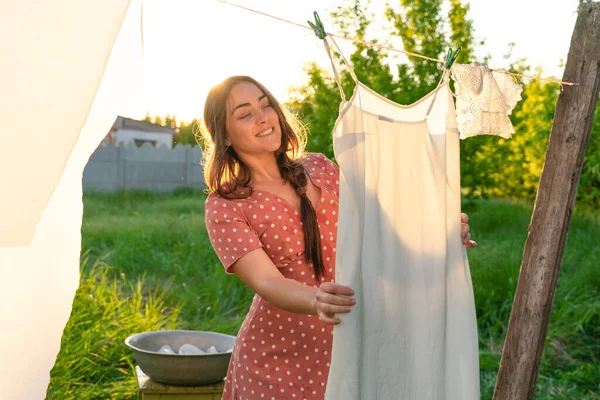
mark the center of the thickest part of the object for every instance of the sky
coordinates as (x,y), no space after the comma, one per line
(192,45)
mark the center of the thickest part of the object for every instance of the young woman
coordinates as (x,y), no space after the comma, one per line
(271,217)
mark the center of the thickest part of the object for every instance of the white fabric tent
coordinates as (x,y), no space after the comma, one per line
(59,95)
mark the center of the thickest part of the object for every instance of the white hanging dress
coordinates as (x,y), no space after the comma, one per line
(413,332)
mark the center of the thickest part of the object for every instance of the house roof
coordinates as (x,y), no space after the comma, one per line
(129,123)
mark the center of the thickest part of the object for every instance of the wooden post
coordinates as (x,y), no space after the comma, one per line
(528,324)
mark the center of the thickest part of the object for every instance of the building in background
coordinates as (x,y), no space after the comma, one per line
(128,130)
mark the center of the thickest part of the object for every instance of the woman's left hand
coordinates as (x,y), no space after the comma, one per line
(465,234)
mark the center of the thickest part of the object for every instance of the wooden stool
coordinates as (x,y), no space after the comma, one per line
(150,390)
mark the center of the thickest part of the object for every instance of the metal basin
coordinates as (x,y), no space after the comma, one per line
(179,369)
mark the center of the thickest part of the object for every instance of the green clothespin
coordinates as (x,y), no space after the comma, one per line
(318,27)
(451,57)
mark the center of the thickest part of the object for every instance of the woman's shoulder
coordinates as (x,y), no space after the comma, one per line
(214,202)
(216,198)
(322,170)
(318,158)
(213,199)
(213,196)
(320,161)
(219,207)
(309,155)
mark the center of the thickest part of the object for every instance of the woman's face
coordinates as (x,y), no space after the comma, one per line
(252,123)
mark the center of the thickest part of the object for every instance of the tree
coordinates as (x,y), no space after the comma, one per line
(188,133)
(157,119)
(170,121)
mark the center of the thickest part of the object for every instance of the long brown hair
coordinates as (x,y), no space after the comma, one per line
(225,173)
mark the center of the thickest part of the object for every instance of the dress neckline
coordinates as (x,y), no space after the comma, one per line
(346,106)
(398,105)
(283,200)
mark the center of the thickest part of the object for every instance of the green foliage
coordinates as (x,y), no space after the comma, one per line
(420,25)
(589,185)
(157,119)
(188,133)
(512,168)
(319,112)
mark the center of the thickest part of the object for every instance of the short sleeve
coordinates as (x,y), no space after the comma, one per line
(329,171)
(228,230)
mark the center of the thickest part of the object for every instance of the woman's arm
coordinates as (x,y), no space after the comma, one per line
(259,273)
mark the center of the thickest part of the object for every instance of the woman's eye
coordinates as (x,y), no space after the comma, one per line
(267,105)
(245,116)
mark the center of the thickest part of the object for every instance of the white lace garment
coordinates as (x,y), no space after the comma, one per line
(484,100)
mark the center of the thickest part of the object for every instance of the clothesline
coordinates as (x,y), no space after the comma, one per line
(357,40)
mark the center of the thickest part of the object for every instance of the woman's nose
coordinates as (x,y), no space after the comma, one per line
(261,116)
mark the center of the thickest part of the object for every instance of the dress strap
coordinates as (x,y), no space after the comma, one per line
(335,71)
(350,69)
(443,80)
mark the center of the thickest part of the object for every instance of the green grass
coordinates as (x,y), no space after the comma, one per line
(93,363)
(147,264)
(570,363)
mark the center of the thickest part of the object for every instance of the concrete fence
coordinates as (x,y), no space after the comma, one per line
(115,167)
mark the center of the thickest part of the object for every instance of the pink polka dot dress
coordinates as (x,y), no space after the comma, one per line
(278,354)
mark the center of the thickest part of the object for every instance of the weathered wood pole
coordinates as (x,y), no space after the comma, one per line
(545,244)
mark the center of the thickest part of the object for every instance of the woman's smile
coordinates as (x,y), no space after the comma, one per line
(265,133)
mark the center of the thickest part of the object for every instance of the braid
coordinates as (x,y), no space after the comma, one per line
(312,237)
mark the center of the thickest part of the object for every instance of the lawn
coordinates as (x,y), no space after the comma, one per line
(147,264)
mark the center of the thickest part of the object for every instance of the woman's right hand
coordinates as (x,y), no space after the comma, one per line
(333,298)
